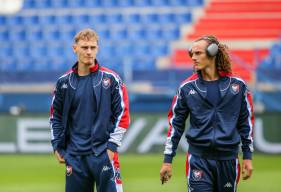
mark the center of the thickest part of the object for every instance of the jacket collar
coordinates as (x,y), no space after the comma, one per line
(92,69)
(224,83)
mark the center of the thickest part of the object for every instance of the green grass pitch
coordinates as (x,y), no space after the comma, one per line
(140,173)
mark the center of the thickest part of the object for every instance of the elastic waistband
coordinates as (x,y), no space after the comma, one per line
(213,153)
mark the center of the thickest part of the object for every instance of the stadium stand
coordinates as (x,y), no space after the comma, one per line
(145,41)
(250,27)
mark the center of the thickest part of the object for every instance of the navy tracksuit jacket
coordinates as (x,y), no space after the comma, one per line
(112,116)
(110,122)
(215,132)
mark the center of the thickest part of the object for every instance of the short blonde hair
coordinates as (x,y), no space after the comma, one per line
(86,34)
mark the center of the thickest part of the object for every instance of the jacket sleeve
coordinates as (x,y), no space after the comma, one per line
(120,112)
(246,124)
(177,117)
(56,123)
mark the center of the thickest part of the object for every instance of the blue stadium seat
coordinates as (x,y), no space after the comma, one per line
(183,18)
(38,49)
(170,32)
(103,33)
(133,18)
(29,4)
(41,64)
(7,64)
(123,48)
(150,18)
(14,20)
(118,33)
(47,20)
(75,3)
(21,49)
(141,2)
(125,3)
(166,18)
(51,33)
(105,50)
(141,48)
(34,33)
(114,18)
(31,20)
(42,4)
(109,3)
(97,19)
(17,34)
(58,64)
(4,35)
(92,3)
(64,19)
(3,20)
(142,63)
(68,33)
(6,50)
(23,64)
(153,32)
(158,48)
(135,32)
(159,2)
(59,3)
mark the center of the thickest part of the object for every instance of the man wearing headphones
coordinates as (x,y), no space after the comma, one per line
(221,117)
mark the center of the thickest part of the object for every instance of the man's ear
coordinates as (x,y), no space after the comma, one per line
(74,48)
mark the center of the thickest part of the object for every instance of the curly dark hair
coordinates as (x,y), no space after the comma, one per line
(222,60)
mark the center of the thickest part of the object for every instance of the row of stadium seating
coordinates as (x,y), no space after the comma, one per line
(107,3)
(96,18)
(112,33)
(237,21)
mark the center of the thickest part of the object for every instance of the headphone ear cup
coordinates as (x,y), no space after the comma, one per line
(212,50)
(190,52)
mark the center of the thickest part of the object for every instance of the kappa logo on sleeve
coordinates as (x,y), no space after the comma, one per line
(64,86)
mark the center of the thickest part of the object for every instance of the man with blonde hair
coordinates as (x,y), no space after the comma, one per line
(89,116)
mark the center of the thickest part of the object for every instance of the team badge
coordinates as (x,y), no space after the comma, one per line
(68,170)
(235,88)
(117,176)
(197,175)
(106,82)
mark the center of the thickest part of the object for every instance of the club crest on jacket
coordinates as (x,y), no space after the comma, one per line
(235,88)
(106,82)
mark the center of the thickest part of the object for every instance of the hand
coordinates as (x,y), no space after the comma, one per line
(247,169)
(110,154)
(165,172)
(59,157)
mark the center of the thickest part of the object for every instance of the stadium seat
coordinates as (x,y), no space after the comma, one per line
(34,33)
(21,50)
(3,20)
(4,35)
(17,34)
(6,50)
(118,33)
(31,20)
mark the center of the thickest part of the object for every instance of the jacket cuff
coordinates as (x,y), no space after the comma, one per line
(247,155)
(112,146)
(168,159)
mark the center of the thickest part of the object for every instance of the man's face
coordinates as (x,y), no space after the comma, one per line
(86,51)
(199,56)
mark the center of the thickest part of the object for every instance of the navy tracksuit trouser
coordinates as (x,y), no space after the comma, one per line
(85,171)
(206,175)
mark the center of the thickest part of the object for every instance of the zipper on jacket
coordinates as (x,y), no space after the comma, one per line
(214,127)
